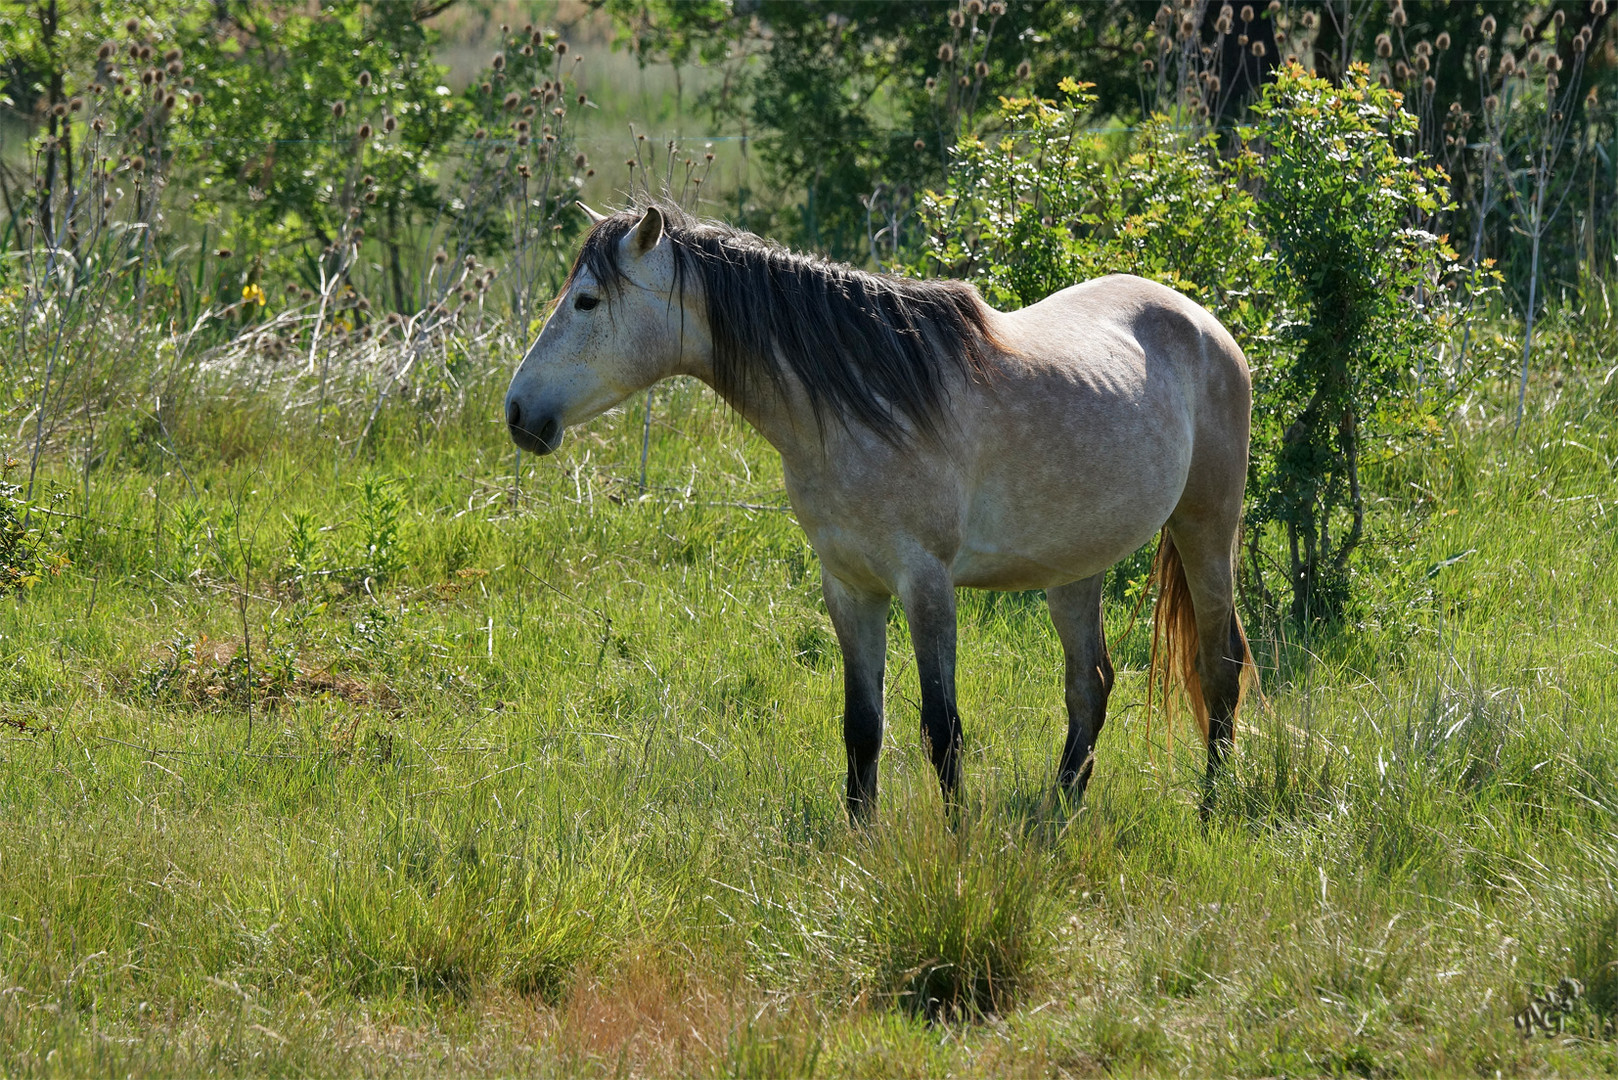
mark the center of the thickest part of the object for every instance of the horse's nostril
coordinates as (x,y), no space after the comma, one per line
(513,415)
(548,430)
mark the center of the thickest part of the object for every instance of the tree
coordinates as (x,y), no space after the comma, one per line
(845,95)
(299,107)
(1337,204)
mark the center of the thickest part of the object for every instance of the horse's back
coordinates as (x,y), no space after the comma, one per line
(1169,326)
(1114,396)
(1135,334)
(1177,334)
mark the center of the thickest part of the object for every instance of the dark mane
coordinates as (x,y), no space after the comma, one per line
(872,348)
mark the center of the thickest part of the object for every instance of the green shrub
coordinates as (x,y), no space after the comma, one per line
(1046,206)
(27,555)
(1340,208)
(1305,245)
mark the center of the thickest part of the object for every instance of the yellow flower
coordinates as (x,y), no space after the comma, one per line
(251,293)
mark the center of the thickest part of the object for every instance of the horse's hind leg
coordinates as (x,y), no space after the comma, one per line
(928,594)
(861,622)
(1222,655)
(1076,611)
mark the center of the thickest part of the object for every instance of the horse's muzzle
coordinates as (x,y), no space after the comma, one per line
(539,433)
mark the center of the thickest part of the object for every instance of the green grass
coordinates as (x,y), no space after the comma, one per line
(539,774)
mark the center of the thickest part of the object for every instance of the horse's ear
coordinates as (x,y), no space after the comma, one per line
(649,231)
(595,218)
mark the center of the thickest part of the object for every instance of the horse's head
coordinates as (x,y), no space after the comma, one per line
(617,328)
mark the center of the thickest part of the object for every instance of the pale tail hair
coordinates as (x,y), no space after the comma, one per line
(1174,644)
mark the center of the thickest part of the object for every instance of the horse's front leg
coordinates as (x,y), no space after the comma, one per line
(928,594)
(861,622)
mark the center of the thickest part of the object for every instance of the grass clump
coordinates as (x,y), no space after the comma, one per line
(960,920)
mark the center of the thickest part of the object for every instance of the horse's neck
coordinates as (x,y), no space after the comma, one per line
(779,411)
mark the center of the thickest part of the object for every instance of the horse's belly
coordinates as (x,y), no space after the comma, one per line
(1048,561)
(999,570)
(1015,538)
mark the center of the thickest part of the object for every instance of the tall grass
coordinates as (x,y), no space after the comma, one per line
(543,772)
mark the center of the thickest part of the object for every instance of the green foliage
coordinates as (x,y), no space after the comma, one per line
(1339,209)
(1332,292)
(377,520)
(845,96)
(1046,206)
(275,148)
(28,552)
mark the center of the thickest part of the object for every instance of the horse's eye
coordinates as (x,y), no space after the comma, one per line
(585,302)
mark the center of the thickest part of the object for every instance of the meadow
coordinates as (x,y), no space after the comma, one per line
(338,738)
(424,759)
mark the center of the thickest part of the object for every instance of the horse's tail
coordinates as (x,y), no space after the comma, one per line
(1174,642)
